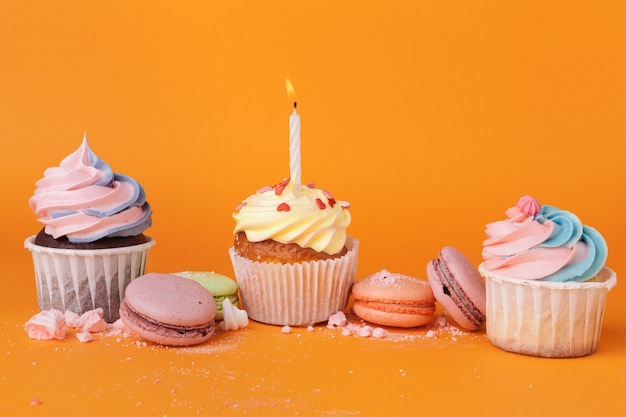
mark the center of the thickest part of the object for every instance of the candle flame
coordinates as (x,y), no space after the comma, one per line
(291,93)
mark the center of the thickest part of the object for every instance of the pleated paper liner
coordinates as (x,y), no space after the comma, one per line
(80,280)
(295,294)
(548,319)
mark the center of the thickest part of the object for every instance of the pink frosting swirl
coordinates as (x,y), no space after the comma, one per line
(543,242)
(84,200)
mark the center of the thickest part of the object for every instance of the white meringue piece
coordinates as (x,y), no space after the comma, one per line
(233,317)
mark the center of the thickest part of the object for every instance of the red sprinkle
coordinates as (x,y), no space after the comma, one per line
(332,202)
(320,204)
(283,207)
(278,188)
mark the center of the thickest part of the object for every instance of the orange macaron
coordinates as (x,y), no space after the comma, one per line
(391,299)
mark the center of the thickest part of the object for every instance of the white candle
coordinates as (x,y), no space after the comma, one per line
(294,139)
(294,147)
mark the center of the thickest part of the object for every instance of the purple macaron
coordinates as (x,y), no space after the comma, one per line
(458,287)
(169,309)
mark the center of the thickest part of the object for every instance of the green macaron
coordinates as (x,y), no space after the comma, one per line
(220,286)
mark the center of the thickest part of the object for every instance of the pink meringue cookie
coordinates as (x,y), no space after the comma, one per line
(46,325)
(92,321)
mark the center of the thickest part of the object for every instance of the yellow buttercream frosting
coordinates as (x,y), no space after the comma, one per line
(288,213)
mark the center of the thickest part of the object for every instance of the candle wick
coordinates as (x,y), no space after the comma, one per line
(295,104)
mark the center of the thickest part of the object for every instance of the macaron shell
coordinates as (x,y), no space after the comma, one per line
(161,334)
(394,300)
(393,289)
(470,298)
(387,315)
(170,299)
(217,284)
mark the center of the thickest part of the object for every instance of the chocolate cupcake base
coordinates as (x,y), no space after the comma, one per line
(80,280)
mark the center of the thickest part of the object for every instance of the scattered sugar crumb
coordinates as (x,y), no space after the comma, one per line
(365,331)
(385,278)
(285,330)
(310,329)
(380,333)
(35,401)
(440,326)
(118,328)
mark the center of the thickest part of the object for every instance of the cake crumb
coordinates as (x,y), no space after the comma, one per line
(285,330)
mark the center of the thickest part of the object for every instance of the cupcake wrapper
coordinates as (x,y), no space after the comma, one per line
(295,294)
(82,280)
(548,319)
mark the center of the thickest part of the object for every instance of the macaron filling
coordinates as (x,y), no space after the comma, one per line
(424,308)
(165,329)
(470,311)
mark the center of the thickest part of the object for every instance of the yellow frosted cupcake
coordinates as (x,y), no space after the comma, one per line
(293,260)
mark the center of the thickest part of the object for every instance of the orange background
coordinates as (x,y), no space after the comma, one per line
(429,117)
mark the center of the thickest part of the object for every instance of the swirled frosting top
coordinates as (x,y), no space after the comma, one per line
(84,200)
(543,243)
(287,213)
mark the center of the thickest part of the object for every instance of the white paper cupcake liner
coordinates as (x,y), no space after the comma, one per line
(80,280)
(295,294)
(549,319)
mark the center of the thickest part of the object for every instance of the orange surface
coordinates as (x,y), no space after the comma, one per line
(430,117)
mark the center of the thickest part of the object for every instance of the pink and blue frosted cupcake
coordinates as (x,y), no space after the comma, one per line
(546,281)
(92,244)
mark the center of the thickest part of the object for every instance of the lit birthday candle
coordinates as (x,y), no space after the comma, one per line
(294,139)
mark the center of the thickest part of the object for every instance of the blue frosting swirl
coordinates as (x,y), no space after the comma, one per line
(567,232)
